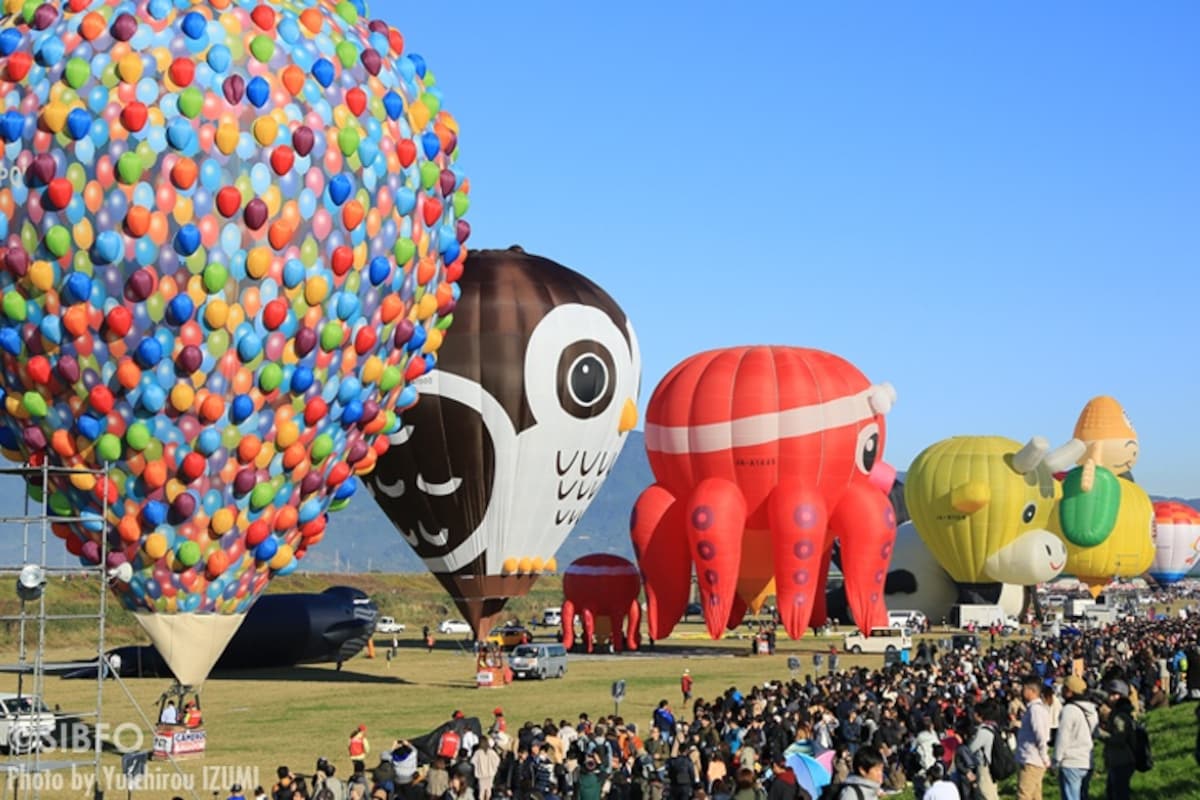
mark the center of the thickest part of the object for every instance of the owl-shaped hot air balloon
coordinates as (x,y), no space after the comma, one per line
(514,432)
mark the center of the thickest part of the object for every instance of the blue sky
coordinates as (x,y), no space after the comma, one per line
(995,206)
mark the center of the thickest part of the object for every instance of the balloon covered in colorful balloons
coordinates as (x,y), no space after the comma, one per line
(228,243)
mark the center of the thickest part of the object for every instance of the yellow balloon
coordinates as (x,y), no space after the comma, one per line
(1129,549)
(982,505)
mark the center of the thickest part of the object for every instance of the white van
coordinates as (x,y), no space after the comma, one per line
(881,640)
(551,617)
(906,618)
(539,661)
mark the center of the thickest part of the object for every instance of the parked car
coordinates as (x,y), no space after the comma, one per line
(389,625)
(693,610)
(25,722)
(454,627)
(881,640)
(539,661)
(906,618)
(509,635)
(552,617)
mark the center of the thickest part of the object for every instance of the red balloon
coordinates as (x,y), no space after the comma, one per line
(775,452)
(602,585)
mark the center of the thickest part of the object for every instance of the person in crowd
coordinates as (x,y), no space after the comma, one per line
(1073,742)
(359,748)
(1033,740)
(1118,735)
(867,781)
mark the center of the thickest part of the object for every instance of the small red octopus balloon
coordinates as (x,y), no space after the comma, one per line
(763,456)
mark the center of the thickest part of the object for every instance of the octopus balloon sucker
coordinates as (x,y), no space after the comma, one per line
(232,244)
(763,456)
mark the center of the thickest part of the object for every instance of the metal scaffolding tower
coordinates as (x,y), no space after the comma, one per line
(26,769)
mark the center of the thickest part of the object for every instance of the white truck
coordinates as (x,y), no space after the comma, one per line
(389,625)
(25,722)
(984,616)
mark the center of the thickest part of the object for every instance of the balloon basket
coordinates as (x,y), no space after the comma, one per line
(492,677)
(179,742)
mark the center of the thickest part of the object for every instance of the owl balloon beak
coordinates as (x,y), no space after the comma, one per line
(629,417)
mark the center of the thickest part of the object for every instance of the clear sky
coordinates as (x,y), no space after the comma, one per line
(995,206)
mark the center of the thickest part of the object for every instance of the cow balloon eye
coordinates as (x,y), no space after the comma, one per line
(1029,512)
(866,453)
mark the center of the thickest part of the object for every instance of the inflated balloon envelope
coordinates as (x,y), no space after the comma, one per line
(984,506)
(232,243)
(515,431)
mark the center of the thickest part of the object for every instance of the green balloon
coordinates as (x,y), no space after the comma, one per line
(445,322)
(348,140)
(390,378)
(77,73)
(218,342)
(154,450)
(331,336)
(191,102)
(322,446)
(262,47)
(338,505)
(34,403)
(230,437)
(188,553)
(261,496)
(309,251)
(60,505)
(431,102)
(156,307)
(270,378)
(14,306)
(404,250)
(430,172)
(77,176)
(347,11)
(108,447)
(1088,518)
(58,241)
(215,278)
(462,202)
(130,168)
(138,436)
(348,54)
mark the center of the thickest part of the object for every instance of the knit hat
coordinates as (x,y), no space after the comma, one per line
(1076,684)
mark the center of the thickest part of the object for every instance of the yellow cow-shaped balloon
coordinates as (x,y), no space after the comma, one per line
(983,504)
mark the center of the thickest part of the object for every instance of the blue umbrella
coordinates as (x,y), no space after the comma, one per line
(810,775)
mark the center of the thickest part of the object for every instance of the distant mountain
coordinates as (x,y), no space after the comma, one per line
(360,538)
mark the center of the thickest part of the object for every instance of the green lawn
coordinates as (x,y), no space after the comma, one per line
(258,720)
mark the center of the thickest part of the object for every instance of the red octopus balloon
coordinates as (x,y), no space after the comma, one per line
(763,456)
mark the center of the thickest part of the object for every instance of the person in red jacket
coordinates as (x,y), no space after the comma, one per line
(359,747)
(685,685)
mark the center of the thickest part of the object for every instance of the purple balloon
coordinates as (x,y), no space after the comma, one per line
(190,358)
(312,481)
(44,16)
(91,552)
(370,411)
(302,140)
(68,368)
(184,506)
(233,89)
(124,27)
(34,438)
(357,451)
(255,214)
(447,181)
(244,481)
(371,61)
(43,168)
(404,332)
(139,286)
(462,230)
(306,340)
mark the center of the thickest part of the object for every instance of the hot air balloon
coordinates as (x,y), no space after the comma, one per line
(1128,551)
(233,244)
(762,456)
(1091,491)
(983,505)
(602,586)
(516,430)
(1176,541)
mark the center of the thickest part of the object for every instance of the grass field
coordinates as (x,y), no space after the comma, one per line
(258,720)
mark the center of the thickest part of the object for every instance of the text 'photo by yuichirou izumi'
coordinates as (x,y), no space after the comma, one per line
(762,457)
(514,432)
(234,245)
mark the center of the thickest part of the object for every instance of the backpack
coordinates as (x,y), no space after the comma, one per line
(834,791)
(324,793)
(449,744)
(1003,763)
(1143,758)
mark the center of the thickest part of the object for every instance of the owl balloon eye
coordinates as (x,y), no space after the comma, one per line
(585,379)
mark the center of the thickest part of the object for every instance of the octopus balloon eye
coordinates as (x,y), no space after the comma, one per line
(1029,512)
(866,453)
